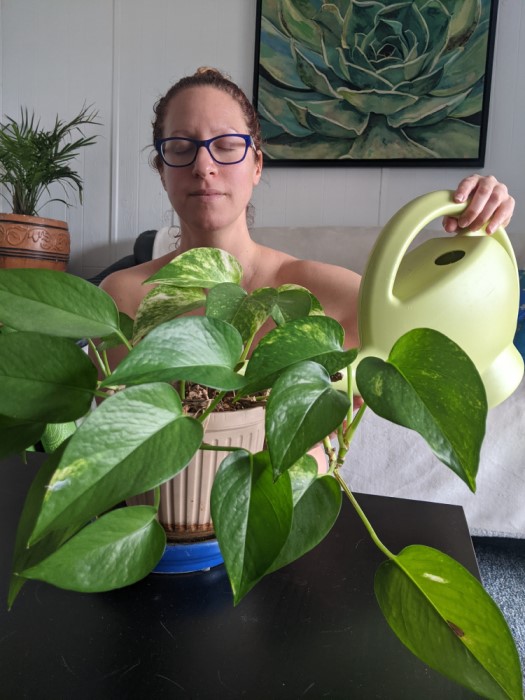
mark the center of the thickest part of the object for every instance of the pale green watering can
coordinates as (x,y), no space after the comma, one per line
(465,286)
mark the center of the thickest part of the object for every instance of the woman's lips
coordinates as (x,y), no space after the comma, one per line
(206,193)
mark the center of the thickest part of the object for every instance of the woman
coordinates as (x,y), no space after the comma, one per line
(209,182)
(209,158)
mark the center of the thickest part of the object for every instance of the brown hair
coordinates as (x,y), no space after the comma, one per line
(211,77)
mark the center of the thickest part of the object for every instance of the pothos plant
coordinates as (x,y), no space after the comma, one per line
(268,508)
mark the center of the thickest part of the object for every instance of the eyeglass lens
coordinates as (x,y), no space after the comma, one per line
(224,150)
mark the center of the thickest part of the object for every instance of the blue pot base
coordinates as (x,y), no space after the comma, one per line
(188,557)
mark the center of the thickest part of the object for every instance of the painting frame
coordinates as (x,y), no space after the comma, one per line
(311,115)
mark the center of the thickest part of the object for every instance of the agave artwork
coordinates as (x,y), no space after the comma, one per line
(363,79)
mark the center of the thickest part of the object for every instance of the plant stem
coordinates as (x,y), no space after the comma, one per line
(349,390)
(220,448)
(247,349)
(352,426)
(156,497)
(363,517)
(212,405)
(126,342)
(96,354)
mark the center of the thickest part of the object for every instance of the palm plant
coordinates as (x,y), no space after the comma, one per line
(33,158)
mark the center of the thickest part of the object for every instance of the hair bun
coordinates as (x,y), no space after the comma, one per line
(208,70)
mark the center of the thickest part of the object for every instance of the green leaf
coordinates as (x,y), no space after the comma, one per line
(252,534)
(317,502)
(302,409)
(294,302)
(207,350)
(56,433)
(246,312)
(445,617)
(134,441)
(16,436)
(114,340)
(199,267)
(223,301)
(317,338)
(24,556)
(55,303)
(44,379)
(431,386)
(115,550)
(164,303)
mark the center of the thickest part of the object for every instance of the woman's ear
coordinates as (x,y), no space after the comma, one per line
(161,173)
(258,167)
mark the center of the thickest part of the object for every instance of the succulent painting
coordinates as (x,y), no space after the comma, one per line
(364,79)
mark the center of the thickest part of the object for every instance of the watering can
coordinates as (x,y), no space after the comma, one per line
(466,286)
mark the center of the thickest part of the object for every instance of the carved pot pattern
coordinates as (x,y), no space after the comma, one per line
(32,241)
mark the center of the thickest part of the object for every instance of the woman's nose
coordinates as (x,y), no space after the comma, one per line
(203,163)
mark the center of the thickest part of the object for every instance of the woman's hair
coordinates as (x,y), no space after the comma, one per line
(208,77)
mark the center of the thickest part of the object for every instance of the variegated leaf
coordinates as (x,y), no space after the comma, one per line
(164,303)
(199,267)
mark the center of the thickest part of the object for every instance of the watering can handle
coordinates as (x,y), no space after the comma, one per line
(393,241)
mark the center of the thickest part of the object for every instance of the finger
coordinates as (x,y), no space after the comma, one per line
(487,197)
(450,224)
(465,187)
(502,215)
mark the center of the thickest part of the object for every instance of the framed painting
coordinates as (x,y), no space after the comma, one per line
(351,82)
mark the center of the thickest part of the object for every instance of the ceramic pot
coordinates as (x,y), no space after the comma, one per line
(184,510)
(32,241)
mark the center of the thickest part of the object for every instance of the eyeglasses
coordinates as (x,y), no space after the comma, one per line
(226,149)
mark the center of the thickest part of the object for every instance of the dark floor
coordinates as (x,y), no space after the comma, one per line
(502,566)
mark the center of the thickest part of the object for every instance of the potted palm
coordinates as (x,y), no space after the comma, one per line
(268,506)
(31,160)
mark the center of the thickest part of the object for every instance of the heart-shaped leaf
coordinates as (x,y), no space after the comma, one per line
(302,409)
(44,379)
(134,441)
(294,301)
(252,533)
(445,617)
(194,348)
(224,300)
(317,338)
(246,312)
(24,556)
(56,303)
(316,505)
(115,550)
(199,267)
(431,386)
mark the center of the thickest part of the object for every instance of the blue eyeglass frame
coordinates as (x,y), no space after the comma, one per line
(248,140)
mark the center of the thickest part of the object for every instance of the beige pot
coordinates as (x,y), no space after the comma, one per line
(185,500)
(32,241)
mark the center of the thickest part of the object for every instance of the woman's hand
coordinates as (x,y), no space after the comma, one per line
(490,202)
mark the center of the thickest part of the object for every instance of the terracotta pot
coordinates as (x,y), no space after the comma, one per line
(32,241)
(184,510)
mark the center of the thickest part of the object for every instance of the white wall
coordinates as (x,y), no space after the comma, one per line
(121,55)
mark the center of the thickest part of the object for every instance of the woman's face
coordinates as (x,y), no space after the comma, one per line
(208,196)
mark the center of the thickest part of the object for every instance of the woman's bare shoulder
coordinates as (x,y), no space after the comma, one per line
(336,287)
(320,274)
(127,286)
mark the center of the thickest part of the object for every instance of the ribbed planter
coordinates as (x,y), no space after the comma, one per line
(32,241)
(185,500)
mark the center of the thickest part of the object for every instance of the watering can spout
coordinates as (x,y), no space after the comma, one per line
(465,286)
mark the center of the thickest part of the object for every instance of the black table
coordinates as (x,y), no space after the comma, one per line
(311,630)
